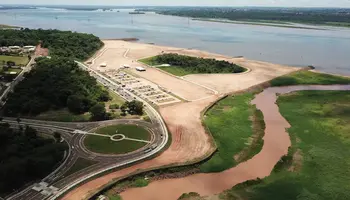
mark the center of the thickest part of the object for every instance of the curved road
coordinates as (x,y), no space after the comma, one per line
(104,162)
(77,150)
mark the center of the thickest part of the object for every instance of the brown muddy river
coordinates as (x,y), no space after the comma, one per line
(276,143)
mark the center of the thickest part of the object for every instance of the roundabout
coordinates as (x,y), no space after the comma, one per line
(118,139)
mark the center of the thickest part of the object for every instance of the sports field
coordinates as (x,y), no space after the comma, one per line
(105,145)
(19,60)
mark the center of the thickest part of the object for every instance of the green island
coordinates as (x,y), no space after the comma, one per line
(22,153)
(80,163)
(105,145)
(180,65)
(237,128)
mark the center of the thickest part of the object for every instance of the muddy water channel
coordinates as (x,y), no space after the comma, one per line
(276,143)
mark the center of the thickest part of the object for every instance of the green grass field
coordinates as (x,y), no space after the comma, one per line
(19,60)
(320,132)
(229,121)
(177,71)
(307,78)
(105,145)
(79,164)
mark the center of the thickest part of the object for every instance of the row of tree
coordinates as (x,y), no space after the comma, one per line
(60,43)
(54,84)
(198,65)
(24,156)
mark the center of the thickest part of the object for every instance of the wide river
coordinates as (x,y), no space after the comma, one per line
(328,50)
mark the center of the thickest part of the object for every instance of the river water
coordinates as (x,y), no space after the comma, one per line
(328,50)
(276,144)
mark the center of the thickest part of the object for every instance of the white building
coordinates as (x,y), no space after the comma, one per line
(140,69)
(29,48)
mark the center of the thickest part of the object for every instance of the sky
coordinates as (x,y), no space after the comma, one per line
(274,3)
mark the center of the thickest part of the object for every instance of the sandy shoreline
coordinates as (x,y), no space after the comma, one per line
(190,141)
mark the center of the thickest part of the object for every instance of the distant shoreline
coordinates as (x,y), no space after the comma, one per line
(4,26)
(259,23)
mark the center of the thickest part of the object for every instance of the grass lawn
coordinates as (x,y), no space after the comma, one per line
(307,77)
(320,132)
(177,71)
(105,145)
(19,60)
(80,164)
(230,123)
(131,131)
(63,115)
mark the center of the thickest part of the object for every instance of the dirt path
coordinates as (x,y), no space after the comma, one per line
(276,143)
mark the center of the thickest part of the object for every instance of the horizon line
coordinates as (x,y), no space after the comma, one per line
(256,6)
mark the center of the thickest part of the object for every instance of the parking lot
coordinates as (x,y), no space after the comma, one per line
(142,88)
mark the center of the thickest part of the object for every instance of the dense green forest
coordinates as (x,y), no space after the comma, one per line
(60,43)
(300,15)
(196,65)
(53,84)
(25,157)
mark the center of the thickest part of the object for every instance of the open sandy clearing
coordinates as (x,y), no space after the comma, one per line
(118,53)
(190,141)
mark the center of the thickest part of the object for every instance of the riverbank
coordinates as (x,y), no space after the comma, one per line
(275,146)
(259,23)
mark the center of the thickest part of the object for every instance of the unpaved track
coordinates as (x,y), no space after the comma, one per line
(276,143)
(189,140)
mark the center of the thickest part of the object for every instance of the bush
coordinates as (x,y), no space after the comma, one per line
(114,106)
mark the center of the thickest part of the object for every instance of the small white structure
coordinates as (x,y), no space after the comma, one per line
(140,69)
(29,48)
(103,65)
(126,66)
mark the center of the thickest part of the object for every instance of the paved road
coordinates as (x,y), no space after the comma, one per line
(77,150)
(103,162)
(16,81)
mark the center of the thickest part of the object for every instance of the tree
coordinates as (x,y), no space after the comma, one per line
(113,106)
(29,132)
(75,104)
(57,136)
(18,120)
(135,107)
(98,112)
(10,63)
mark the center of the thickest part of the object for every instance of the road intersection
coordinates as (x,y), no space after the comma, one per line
(104,163)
